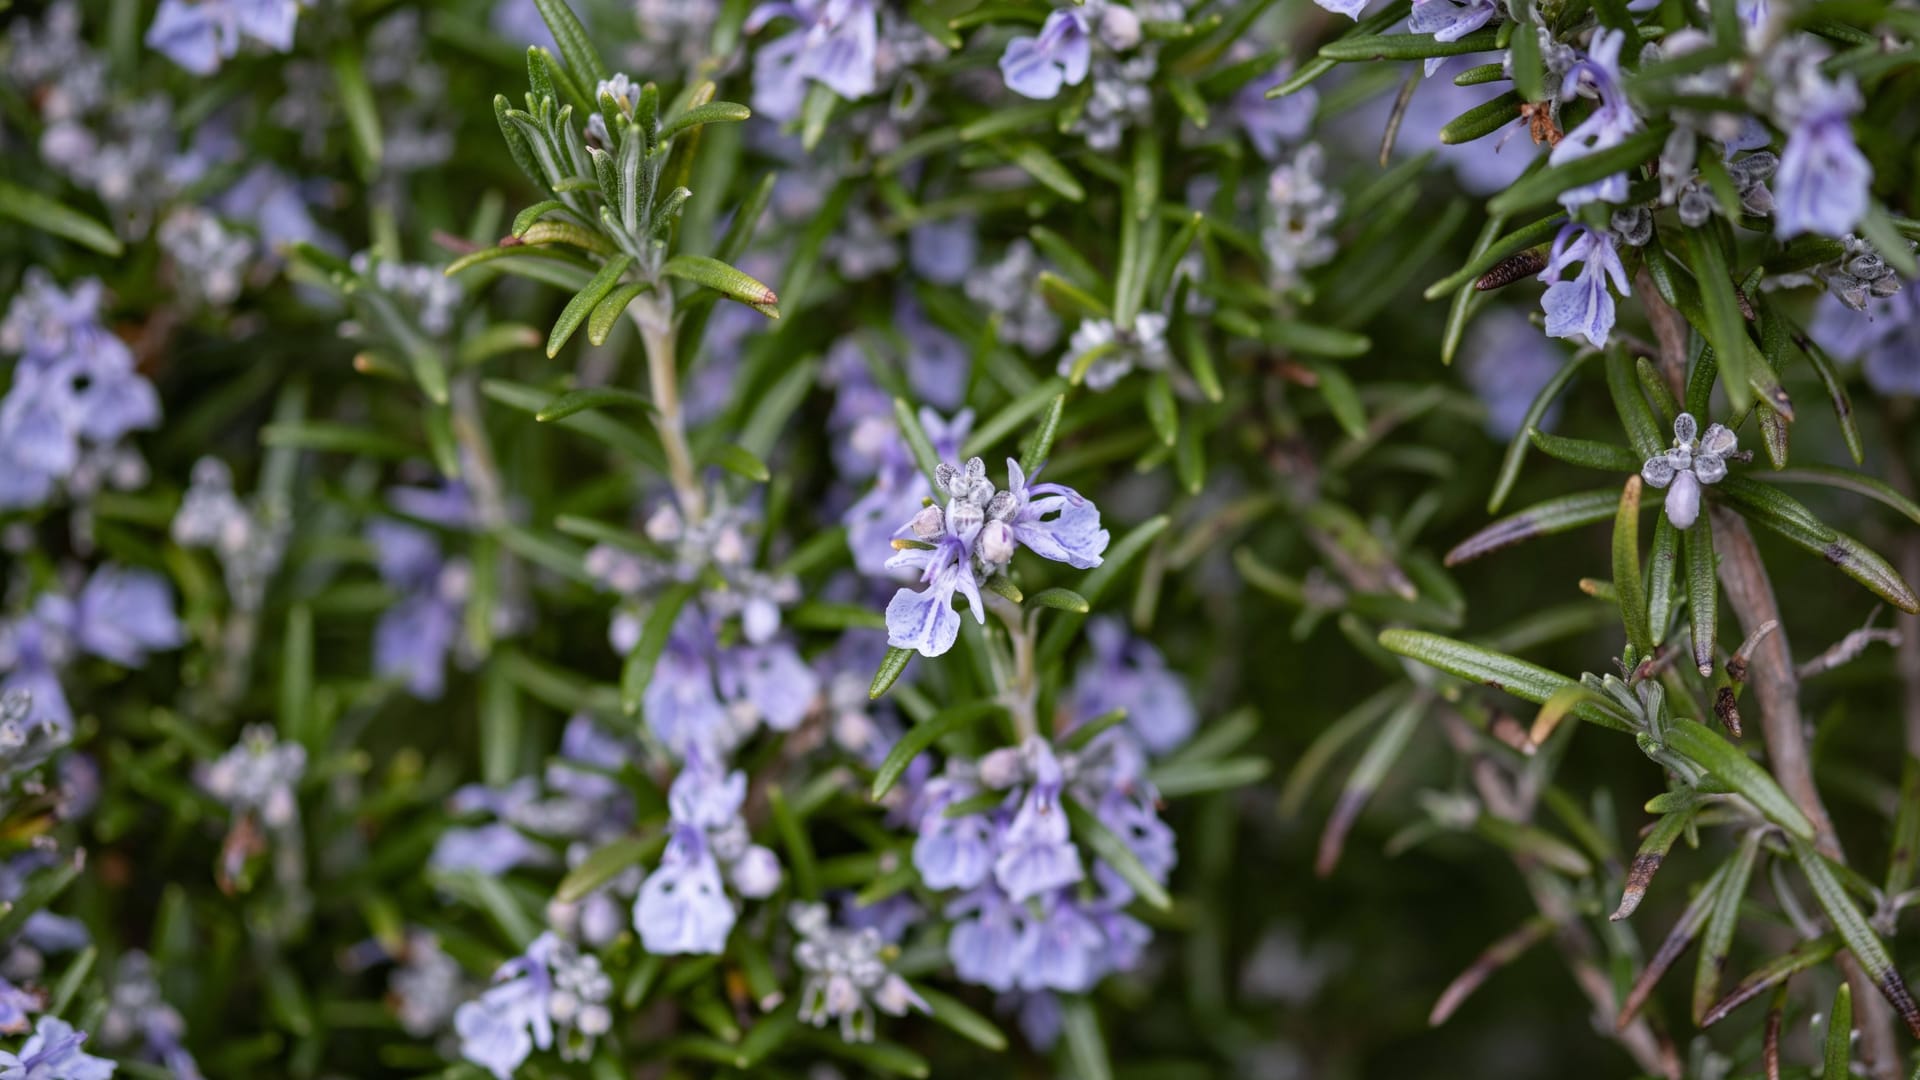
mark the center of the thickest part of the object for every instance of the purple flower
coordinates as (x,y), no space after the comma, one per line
(943,251)
(988,949)
(973,537)
(1350,8)
(772,679)
(834,43)
(1062,950)
(1597,75)
(952,852)
(1693,462)
(123,614)
(1128,673)
(1037,67)
(1885,336)
(1582,308)
(1449,20)
(1272,124)
(1507,362)
(198,34)
(1054,521)
(704,796)
(53,1052)
(681,705)
(683,908)
(1037,854)
(588,744)
(1821,185)
(15,1004)
(504,1025)
(937,365)
(489,850)
(900,487)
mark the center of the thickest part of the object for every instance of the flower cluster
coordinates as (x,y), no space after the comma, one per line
(76,394)
(957,546)
(1695,461)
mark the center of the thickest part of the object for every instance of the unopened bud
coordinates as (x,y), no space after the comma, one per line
(996,542)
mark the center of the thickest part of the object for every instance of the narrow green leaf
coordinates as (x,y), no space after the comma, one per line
(37,211)
(1703,590)
(585,301)
(1860,939)
(713,112)
(363,116)
(1732,767)
(1643,431)
(1646,861)
(740,461)
(1848,480)
(1386,747)
(917,441)
(1547,184)
(1060,600)
(891,666)
(1086,1046)
(1553,516)
(1485,667)
(952,1014)
(655,630)
(1838,1051)
(1627,577)
(923,735)
(724,279)
(1587,454)
(1012,415)
(1717,937)
(1775,972)
(592,397)
(296,679)
(1536,412)
(576,46)
(608,311)
(605,863)
(1662,562)
(1726,329)
(1039,443)
(1331,740)
(1112,850)
(793,836)
(1406,47)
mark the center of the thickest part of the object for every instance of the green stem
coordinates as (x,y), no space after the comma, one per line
(654,318)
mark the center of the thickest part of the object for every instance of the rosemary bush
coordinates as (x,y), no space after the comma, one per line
(886,537)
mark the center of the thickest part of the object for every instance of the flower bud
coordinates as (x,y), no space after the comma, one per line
(1119,28)
(996,542)
(1002,768)
(929,523)
(756,874)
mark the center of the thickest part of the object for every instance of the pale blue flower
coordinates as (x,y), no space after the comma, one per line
(1129,673)
(1054,521)
(1037,854)
(122,615)
(989,948)
(952,852)
(1885,337)
(1449,20)
(1597,75)
(1061,950)
(15,1004)
(1273,124)
(1037,67)
(1582,308)
(53,1052)
(1822,183)
(683,907)
(834,43)
(504,1025)
(943,251)
(199,34)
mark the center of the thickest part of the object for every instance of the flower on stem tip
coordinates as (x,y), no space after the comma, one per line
(1691,463)
(973,537)
(1582,308)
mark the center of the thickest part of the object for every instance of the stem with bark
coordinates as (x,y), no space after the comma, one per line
(1776,689)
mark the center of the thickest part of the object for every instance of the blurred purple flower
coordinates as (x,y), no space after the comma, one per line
(1582,308)
(1037,67)
(833,42)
